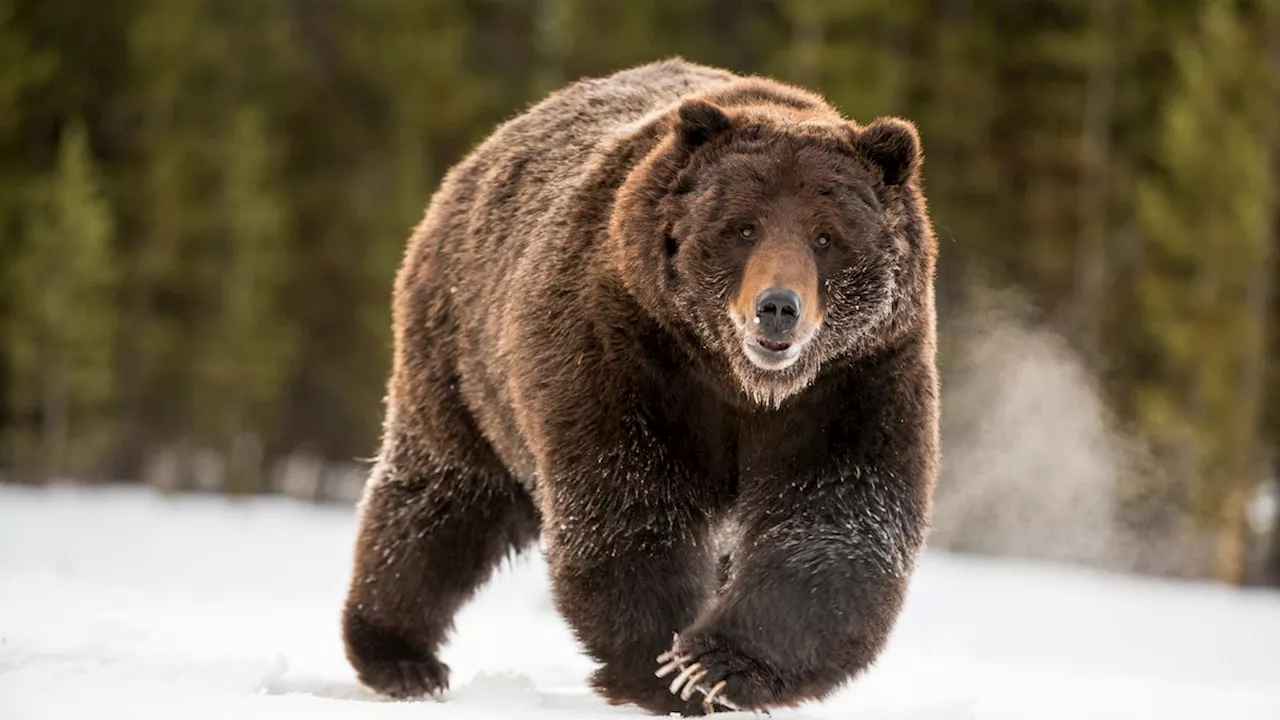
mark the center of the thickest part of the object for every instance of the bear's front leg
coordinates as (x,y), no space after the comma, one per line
(818,584)
(831,521)
(630,559)
(621,599)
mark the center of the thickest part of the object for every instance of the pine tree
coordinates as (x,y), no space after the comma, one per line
(21,68)
(213,243)
(955,82)
(411,62)
(856,54)
(1271,570)
(177,55)
(245,343)
(1092,264)
(1146,80)
(1209,226)
(62,328)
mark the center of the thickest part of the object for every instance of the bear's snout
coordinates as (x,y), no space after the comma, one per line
(777,338)
(776,307)
(777,312)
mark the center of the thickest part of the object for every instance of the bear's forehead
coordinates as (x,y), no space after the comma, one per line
(781,168)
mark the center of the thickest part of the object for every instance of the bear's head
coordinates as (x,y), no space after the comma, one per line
(779,237)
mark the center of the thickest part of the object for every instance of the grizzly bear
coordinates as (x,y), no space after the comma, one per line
(679,324)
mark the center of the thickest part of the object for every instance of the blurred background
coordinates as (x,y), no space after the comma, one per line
(203,203)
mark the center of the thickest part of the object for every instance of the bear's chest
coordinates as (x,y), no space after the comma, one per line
(726,447)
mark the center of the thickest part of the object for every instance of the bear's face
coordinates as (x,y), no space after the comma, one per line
(785,245)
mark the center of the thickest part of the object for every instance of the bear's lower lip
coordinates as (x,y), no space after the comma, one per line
(773,346)
(770,354)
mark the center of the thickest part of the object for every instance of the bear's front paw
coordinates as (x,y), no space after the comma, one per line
(711,665)
(406,679)
(391,665)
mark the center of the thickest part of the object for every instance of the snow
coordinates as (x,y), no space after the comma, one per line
(126,603)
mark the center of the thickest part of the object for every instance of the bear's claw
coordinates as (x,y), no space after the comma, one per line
(690,679)
(715,690)
(672,661)
(407,679)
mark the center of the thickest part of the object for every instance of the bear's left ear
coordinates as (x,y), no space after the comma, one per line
(700,121)
(893,144)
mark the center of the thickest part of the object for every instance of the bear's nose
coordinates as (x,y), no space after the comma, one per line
(777,311)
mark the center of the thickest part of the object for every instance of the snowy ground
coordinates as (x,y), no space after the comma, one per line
(123,604)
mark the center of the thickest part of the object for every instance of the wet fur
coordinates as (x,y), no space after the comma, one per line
(565,367)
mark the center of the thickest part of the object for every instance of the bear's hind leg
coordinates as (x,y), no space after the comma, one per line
(429,536)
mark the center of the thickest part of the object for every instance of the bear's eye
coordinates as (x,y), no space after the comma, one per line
(747,232)
(821,241)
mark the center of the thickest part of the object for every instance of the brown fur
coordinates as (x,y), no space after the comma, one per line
(571,359)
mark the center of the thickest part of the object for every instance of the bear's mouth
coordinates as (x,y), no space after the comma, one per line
(769,354)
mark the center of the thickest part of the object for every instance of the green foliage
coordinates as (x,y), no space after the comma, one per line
(245,344)
(62,329)
(1209,220)
(21,67)
(831,42)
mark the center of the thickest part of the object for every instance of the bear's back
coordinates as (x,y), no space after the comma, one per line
(514,188)
(500,230)
(558,134)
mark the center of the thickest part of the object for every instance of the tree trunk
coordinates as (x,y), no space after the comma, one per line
(54,417)
(1091,261)
(952,151)
(1247,441)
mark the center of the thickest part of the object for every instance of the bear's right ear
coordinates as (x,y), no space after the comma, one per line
(700,121)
